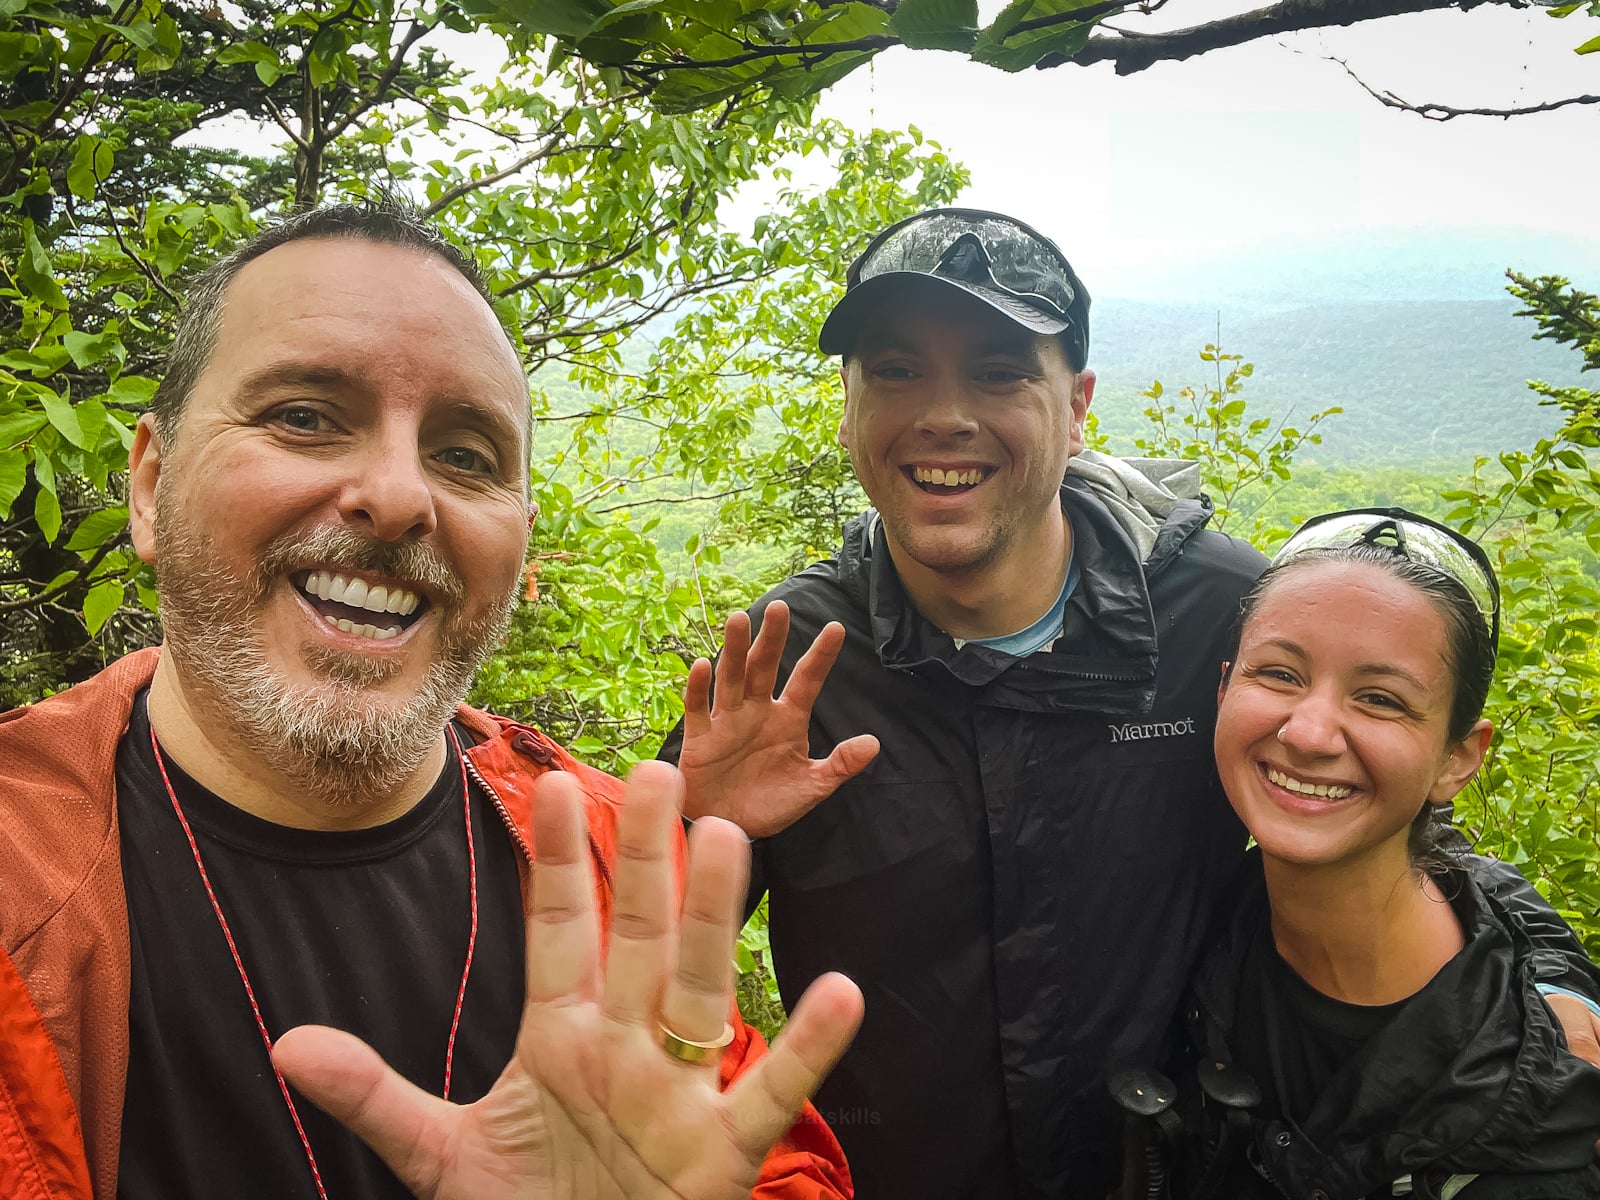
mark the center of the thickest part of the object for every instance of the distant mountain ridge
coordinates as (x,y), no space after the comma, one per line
(1415,338)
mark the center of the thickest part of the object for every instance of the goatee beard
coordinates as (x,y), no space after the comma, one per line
(334,738)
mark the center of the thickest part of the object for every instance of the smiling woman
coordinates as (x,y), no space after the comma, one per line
(1367,1023)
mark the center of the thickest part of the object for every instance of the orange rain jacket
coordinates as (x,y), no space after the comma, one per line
(64,962)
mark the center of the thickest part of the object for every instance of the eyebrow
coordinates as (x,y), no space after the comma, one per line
(1371,670)
(297,375)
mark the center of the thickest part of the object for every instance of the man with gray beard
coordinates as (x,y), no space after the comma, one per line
(284,816)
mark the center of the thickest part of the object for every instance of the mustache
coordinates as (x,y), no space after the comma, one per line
(340,546)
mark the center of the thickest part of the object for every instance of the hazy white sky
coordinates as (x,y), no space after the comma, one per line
(1264,142)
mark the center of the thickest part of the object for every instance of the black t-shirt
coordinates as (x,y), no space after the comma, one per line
(362,930)
(1292,1038)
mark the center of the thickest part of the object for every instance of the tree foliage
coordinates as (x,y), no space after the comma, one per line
(1539,806)
(1244,458)
(143,140)
(693,53)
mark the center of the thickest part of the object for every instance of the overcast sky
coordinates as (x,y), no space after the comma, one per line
(1269,142)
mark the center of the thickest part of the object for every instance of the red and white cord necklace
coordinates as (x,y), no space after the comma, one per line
(244,978)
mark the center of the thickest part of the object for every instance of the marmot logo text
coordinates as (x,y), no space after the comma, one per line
(1161,729)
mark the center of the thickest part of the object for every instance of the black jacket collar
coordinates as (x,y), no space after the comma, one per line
(1105,660)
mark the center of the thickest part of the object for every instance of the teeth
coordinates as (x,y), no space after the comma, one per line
(944,478)
(357,593)
(366,631)
(1322,790)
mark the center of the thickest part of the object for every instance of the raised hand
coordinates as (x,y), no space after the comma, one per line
(591,1106)
(747,757)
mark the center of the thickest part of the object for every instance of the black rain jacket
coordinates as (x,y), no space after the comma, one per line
(1468,1091)
(1021,879)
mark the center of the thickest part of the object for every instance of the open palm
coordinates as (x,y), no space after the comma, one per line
(591,1106)
(746,755)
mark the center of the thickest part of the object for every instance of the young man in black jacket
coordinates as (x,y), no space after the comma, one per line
(1023,838)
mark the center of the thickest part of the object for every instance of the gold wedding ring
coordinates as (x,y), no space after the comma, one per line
(685,1050)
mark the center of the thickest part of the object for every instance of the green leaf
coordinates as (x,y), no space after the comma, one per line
(247,52)
(33,269)
(65,419)
(268,72)
(13,476)
(142,34)
(47,512)
(104,598)
(87,348)
(92,161)
(98,528)
(563,18)
(132,391)
(1590,46)
(622,11)
(16,428)
(92,419)
(323,69)
(1001,47)
(936,24)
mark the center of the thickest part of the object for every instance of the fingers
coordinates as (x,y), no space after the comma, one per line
(697,693)
(767,654)
(644,915)
(563,930)
(343,1076)
(731,663)
(697,998)
(811,672)
(765,1100)
(744,670)
(850,757)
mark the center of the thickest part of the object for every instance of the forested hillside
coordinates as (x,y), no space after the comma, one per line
(1416,380)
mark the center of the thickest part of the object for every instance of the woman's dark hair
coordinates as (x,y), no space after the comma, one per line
(1469,650)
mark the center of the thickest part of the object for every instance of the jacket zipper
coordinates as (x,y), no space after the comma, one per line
(499,805)
(516,833)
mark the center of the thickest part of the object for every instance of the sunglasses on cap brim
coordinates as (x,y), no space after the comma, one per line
(968,244)
(1412,537)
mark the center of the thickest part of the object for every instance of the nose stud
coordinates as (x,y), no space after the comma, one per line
(1284,728)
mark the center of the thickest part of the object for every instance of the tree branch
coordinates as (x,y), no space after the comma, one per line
(675,499)
(876,41)
(1443,112)
(1130,52)
(145,268)
(283,123)
(551,146)
(380,86)
(39,599)
(588,267)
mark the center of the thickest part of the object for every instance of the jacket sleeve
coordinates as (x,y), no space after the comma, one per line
(1559,957)
(808,1163)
